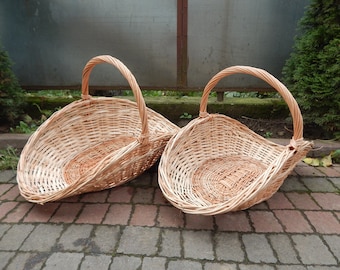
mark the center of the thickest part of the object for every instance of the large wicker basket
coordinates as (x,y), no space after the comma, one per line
(215,164)
(93,143)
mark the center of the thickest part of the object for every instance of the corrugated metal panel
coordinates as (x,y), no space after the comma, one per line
(244,32)
(50,41)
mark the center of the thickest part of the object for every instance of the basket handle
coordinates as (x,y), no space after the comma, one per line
(144,137)
(271,80)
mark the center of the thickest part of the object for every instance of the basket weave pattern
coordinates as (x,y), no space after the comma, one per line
(93,143)
(215,164)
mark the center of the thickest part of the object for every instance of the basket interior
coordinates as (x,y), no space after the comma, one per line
(76,138)
(213,159)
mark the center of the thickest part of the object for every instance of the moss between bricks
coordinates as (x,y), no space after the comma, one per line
(173,107)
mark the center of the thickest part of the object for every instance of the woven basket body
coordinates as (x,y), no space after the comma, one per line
(215,164)
(92,144)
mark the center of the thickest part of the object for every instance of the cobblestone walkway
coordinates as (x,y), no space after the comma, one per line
(134,227)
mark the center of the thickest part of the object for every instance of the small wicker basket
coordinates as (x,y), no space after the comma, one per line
(215,164)
(93,143)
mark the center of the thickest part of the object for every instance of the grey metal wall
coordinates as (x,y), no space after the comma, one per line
(240,32)
(51,40)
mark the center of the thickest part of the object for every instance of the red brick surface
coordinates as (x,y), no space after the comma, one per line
(144,215)
(293,221)
(265,221)
(235,222)
(324,222)
(41,213)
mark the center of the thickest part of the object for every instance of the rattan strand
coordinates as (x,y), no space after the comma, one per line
(92,144)
(216,165)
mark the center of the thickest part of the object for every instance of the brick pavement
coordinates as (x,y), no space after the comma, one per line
(134,227)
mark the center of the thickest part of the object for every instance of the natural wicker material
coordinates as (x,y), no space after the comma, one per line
(215,164)
(93,143)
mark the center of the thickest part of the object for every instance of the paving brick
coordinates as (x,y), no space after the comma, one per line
(142,180)
(234,222)
(169,216)
(293,184)
(41,213)
(199,222)
(154,263)
(312,250)
(6,207)
(95,197)
(93,213)
(28,260)
(98,262)
(219,266)
(291,266)
(333,241)
(75,238)
(293,221)
(258,249)
(143,195)
(329,171)
(259,206)
(319,184)
(320,267)
(4,188)
(65,260)
(335,182)
(4,228)
(144,215)
(283,248)
(229,247)
(184,264)
(18,212)
(307,171)
(104,240)
(323,222)
(15,236)
(118,214)
(265,221)
(42,238)
(198,245)
(170,243)
(159,198)
(126,263)
(302,201)
(11,194)
(328,201)
(66,213)
(5,257)
(279,201)
(139,240)
(122,194)
(7,175)
(256,267)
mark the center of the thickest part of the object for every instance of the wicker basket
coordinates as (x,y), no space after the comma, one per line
(215,164)
(92,144)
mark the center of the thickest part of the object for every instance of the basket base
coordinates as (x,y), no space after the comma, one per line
(219,179)
(83,163)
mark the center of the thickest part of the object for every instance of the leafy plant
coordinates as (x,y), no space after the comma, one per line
(326,161)
(186,116)
(312,72)
(11,94)
(24,127)
(8,158)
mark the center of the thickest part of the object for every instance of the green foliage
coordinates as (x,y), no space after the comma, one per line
(312,72)
(11,95)
(8,158)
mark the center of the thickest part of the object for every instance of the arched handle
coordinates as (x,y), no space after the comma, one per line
(144,137)
(265,76)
